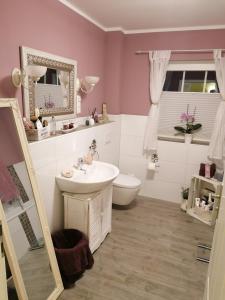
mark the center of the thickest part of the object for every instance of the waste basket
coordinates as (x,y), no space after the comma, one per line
(73,254)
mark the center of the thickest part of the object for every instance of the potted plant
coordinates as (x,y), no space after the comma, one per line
(189,127)
(184,194)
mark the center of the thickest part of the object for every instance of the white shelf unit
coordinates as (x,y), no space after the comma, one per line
(90,213)
(198,185)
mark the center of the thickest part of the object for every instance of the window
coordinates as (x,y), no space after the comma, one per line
(192,84)
(191,81)
(50,77)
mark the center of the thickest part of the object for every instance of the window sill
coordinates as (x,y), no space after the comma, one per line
(180,139)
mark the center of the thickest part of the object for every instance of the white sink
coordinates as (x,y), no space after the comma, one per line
(97,176)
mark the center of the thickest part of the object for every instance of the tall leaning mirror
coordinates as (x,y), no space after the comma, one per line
(27,236)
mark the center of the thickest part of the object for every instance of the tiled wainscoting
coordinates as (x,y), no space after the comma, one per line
(120,143)
(52,155)
(178,161)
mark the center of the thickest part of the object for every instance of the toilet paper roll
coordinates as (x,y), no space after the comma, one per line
(151,166)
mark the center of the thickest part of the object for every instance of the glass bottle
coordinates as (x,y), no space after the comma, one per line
(53,126)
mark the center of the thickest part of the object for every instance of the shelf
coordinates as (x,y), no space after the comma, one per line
(209,180)
(79,128)
(198,185)
(201,215)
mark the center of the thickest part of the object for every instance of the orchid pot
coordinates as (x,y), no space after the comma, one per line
(189,127)
(188,138)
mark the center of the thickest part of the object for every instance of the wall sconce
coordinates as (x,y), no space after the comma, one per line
(33,71)
(87,84)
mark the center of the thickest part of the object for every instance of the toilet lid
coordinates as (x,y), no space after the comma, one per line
(126,181)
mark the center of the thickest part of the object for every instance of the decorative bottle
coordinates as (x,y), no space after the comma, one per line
(53,126)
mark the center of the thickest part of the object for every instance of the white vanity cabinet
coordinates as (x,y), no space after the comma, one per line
(89,213)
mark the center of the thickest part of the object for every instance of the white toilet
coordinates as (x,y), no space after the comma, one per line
(125,189)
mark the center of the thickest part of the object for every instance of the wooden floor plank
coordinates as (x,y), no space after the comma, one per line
(150,255)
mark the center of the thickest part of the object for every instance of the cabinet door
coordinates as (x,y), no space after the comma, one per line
(95,223)
(95,239)
(76,214)
(106,211)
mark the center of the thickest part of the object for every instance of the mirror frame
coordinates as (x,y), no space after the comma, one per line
(7,241)
(31,56)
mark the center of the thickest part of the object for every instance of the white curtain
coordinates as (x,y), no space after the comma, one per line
(158,66)
(217,143)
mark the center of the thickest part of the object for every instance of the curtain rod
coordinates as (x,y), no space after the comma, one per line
(179,51)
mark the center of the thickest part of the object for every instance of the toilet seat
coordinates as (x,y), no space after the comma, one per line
(127,181)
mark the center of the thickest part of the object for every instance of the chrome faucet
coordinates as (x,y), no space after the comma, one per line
(93,148)
(79,165)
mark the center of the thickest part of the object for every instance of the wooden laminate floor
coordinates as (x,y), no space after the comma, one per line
(150,255)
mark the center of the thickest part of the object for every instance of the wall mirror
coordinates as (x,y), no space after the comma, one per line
(53,93)
(31,256)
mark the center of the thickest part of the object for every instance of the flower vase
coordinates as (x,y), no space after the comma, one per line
(188,138)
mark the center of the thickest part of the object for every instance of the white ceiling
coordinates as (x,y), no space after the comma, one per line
(151,15)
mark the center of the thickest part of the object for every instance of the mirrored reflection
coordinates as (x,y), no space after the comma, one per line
(52,90)
(12,293)
(21,213)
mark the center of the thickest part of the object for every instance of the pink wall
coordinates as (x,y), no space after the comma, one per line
(52,27)
(134,93)
(113,70)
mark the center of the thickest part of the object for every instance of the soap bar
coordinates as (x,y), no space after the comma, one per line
(67,173)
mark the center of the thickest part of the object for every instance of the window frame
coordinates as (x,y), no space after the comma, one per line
(189,66)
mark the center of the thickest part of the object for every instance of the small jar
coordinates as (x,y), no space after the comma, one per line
(65,125)
(91,121)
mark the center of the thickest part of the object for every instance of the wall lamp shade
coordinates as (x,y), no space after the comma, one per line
(33,71)
(87,84)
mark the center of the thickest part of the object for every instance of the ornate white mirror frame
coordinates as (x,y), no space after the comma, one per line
(12,104)
(31,56)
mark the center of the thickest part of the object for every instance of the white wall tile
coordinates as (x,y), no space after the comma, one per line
(191,170)
(52,155)
(178,161)
(131,145)
(170,172)
(171,151)
(134,125)
(162,190)
(133,165)
(43,152)
(197,154)
(120,143)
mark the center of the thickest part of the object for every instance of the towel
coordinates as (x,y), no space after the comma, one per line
(8,190)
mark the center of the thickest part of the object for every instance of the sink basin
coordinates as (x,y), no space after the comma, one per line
(98,175)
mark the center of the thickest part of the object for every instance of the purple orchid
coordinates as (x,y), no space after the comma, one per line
(189,119)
